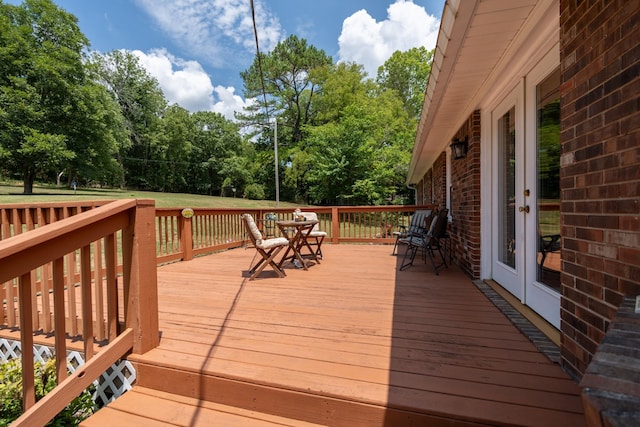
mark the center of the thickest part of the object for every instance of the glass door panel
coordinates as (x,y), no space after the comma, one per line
(507,240)
(548,183)
(507,188)
(542,150)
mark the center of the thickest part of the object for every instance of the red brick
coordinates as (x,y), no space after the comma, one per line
(629,255)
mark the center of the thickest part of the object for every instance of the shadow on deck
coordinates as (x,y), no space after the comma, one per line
(351,342)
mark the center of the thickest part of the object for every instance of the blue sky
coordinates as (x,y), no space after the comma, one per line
(197,48)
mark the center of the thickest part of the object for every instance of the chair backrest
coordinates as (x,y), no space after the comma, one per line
(438,227)
(252,228)
(417,223)
(313,217)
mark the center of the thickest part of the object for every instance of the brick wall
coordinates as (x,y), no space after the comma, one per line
(427,186)
(465,200)
(419,193)
(600,169)
(464,230)
(439,170)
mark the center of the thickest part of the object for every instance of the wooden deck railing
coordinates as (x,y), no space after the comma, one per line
(202,230)
(93,243)
(16,219)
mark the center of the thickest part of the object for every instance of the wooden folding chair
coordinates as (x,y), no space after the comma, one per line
(267,248)
(316,236)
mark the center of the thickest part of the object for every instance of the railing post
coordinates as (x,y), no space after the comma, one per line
(335,225)
(186,237)
(140,277)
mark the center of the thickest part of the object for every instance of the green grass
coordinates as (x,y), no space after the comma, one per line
(12,193)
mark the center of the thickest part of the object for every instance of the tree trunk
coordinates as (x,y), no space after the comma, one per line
(27,181)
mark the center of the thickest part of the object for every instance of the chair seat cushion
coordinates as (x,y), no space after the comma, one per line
(271,243)
(318,234)
(413,240)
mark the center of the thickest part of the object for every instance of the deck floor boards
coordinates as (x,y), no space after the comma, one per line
(348,338)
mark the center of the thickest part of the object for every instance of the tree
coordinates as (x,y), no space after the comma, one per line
(340,85)
(287,85)
(220,157)
(94,137)
(40,72)
(141,102)
(407,73)
(359,154)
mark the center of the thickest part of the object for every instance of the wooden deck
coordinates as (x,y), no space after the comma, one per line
(351,342)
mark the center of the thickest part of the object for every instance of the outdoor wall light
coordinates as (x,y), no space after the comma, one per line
(459,147)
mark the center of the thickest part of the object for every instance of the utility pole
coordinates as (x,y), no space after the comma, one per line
(275,148)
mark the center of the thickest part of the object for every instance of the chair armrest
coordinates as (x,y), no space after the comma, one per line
(550,242)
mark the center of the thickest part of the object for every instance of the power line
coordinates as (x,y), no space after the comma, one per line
(255,33)
(266,106)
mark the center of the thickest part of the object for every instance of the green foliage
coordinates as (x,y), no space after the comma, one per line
(407,73)
(361,154)
(254,192)
(45,380)
(549,150)
(142,104)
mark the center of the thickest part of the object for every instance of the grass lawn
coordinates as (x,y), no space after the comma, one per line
(12,193)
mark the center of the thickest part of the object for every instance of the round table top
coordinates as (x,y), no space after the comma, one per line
(292,223)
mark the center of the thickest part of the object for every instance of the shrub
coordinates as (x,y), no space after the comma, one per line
(79,409)
(254,192)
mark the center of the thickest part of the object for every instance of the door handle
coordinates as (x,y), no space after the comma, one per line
(524,209)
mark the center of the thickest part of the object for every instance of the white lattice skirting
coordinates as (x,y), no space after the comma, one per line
(111,384)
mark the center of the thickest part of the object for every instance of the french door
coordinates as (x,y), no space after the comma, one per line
(526,237)
(508,181)
(542,146)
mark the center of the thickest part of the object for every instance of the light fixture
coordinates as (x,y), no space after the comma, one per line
(459,147)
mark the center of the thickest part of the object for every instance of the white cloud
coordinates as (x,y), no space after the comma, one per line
(188,85)
(212,29)
(371,43)
(229,102)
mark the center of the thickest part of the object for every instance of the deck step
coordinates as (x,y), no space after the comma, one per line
(289,402)
(144,407)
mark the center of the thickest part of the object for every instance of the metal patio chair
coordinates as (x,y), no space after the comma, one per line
(428,243)
(417,225)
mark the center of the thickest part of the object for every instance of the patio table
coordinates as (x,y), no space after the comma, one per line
(297,233)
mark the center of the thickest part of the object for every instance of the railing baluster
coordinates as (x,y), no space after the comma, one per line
(85,288)
(44,284)
(159,236)
(99,294)
(34,300)
(71,290)
(59,320)
(169,238)
(26,339)
(110,254)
